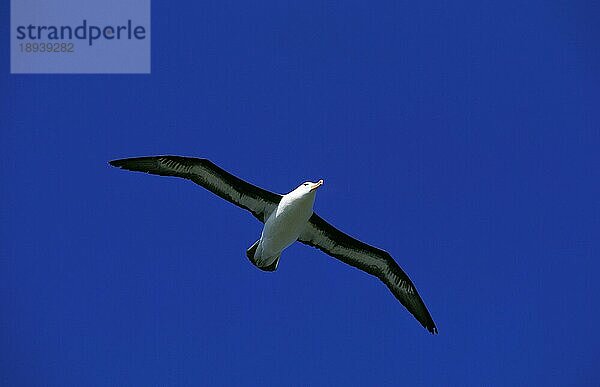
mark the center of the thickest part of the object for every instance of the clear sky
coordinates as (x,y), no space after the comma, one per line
(462,137)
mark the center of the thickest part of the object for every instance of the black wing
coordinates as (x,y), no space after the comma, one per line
(379,263)
(203,172)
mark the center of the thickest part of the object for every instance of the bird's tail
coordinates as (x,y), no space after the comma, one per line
(251,252)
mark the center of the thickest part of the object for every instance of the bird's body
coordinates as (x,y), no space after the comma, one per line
(288,218)
(285,224)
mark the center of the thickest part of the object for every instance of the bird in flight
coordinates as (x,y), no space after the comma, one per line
(288,218)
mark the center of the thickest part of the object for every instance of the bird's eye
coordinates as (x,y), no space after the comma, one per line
(305,184)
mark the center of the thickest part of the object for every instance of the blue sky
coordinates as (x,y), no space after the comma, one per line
(462,137)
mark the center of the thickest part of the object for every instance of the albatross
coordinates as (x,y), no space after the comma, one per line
(288,218)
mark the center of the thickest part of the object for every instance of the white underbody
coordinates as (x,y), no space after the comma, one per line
(284,225)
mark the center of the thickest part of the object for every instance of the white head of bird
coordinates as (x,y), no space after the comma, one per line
(304,193)
(300,200)
(308,188)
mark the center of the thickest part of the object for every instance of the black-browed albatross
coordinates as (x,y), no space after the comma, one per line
(288,218)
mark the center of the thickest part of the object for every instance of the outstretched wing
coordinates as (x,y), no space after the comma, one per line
(203,172)
(377,262)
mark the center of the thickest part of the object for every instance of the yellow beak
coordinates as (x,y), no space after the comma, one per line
(316,185)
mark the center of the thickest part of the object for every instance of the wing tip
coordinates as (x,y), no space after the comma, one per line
(141,164)
(116,163)
(121,163)
(428,324)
